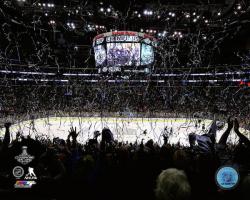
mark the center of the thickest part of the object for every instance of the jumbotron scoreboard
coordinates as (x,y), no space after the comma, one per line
(124,50)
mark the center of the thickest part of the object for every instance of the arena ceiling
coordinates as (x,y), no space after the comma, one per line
(63,30)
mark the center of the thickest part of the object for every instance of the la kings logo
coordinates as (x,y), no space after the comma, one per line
(24,157)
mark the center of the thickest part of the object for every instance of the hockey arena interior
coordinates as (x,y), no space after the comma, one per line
(115,99)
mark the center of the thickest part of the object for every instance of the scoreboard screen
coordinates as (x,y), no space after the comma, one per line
(124,48)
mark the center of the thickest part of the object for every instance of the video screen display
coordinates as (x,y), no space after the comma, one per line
(147,54)
(123,54)
(100,55)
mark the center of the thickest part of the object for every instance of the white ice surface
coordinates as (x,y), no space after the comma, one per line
(124,129)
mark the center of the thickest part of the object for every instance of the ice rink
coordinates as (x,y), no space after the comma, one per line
(124,129)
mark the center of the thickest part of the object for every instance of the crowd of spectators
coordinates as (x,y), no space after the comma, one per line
(120,170)
(122,98)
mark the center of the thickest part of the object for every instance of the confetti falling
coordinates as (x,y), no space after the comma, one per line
(48,68)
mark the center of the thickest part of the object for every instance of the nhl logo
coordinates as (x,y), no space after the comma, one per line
(24,157)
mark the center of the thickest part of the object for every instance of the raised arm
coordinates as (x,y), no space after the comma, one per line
(223,139)
(6,140)
(242,137)
(73,134)
(212,131)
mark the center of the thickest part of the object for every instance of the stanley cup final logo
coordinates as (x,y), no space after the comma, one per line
(24,157)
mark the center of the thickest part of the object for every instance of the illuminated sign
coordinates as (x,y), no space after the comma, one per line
(122,38)
(123,48)
(99,41)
